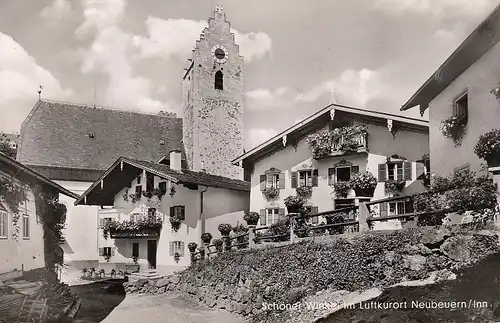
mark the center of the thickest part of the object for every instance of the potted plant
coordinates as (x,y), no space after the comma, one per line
(252,218)
(342,188)
(304,191)
(271,193)
(225,229)
(294,204)
(363,183)
(218,245)
(488,147)
(320,143)
(206,237)
(394,187)
(453,128)
(192,246)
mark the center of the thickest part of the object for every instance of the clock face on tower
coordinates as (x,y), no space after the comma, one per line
(220,54)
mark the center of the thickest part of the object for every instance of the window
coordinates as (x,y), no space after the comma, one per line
(135,249)
(178,211)
(139,179)
(272,215)
(163,186)
(138,189)
(305,178)
(273,180)
(397,208)
(219,80)
(26,226)
(461,106)
(135,217)
(177,246)
(312,210)
(151,212)
(106,251)
(4,225)
(150,182)
(395,171)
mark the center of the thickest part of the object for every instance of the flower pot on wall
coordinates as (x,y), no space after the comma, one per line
(367,192)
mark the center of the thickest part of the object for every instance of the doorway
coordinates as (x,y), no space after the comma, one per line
(152,253)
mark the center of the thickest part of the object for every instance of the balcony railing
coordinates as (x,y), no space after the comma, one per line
(352,143)
(339,141)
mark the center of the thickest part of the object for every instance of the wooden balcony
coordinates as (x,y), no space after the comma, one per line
(142,233)
(142,228)
(347,146)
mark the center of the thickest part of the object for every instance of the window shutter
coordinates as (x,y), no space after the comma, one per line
(112,252)
(262,217)
(382,172)
(420,170)
(131,218)
(262,182)
(354,169)
(171,249)
(102,223)
(383,209)
(282,181)
(314,181)
(172,211)
(183,213)
(408,207)
(294,179)
(282,212)
(399,171)
(407,171)
(182,249)
(101,251)
(331,176)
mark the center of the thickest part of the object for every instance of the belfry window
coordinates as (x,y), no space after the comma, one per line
(219,80)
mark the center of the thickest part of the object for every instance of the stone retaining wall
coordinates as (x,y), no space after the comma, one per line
(241,281)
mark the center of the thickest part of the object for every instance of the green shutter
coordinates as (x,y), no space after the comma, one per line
(282,181)
(408,171)
(331,176)
(263,217)
(314,181)
(382,172)
(294,179)
(262,182)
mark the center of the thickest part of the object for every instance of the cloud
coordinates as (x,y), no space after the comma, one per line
(436,8)
(58,9)
(352,87)
(101,14)
(20,78)
(177,37)
(259,135)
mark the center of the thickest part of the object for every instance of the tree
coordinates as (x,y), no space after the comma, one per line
(7,149)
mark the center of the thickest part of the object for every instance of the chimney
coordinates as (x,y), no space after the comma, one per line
(175,160)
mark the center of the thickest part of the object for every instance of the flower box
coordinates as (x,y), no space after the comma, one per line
(149,227)
(294,204)
(364,184)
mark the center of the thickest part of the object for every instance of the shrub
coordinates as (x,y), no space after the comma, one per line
(488,145)
(281,228)
(251,218)
(334,219)
(342,188)
(218,244)
(243,240)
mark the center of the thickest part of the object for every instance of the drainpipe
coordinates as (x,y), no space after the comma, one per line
(201,211)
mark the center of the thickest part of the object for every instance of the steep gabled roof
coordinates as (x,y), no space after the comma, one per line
(6,161)
(317,120)
(124,170)
(60,134)
(481,40)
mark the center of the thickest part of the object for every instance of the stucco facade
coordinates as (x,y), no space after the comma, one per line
(380,144)
(213,113)
(483,114)
(219,205)
(20,249)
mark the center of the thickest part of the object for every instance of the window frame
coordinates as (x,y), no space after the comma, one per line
(180,211)
(336,179)
(177,246)
(275,183)
(5,234)
(104,251)
(307,178)
(26,226)
(457,108)
(274,216)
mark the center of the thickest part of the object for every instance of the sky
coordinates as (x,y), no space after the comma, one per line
(299,55)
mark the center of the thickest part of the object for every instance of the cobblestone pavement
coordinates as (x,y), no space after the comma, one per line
(166,309)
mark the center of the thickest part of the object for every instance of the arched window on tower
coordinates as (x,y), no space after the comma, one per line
(219,80)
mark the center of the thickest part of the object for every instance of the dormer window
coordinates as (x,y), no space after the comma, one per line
(91,135)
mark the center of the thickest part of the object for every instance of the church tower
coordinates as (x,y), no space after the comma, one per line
(213,101)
